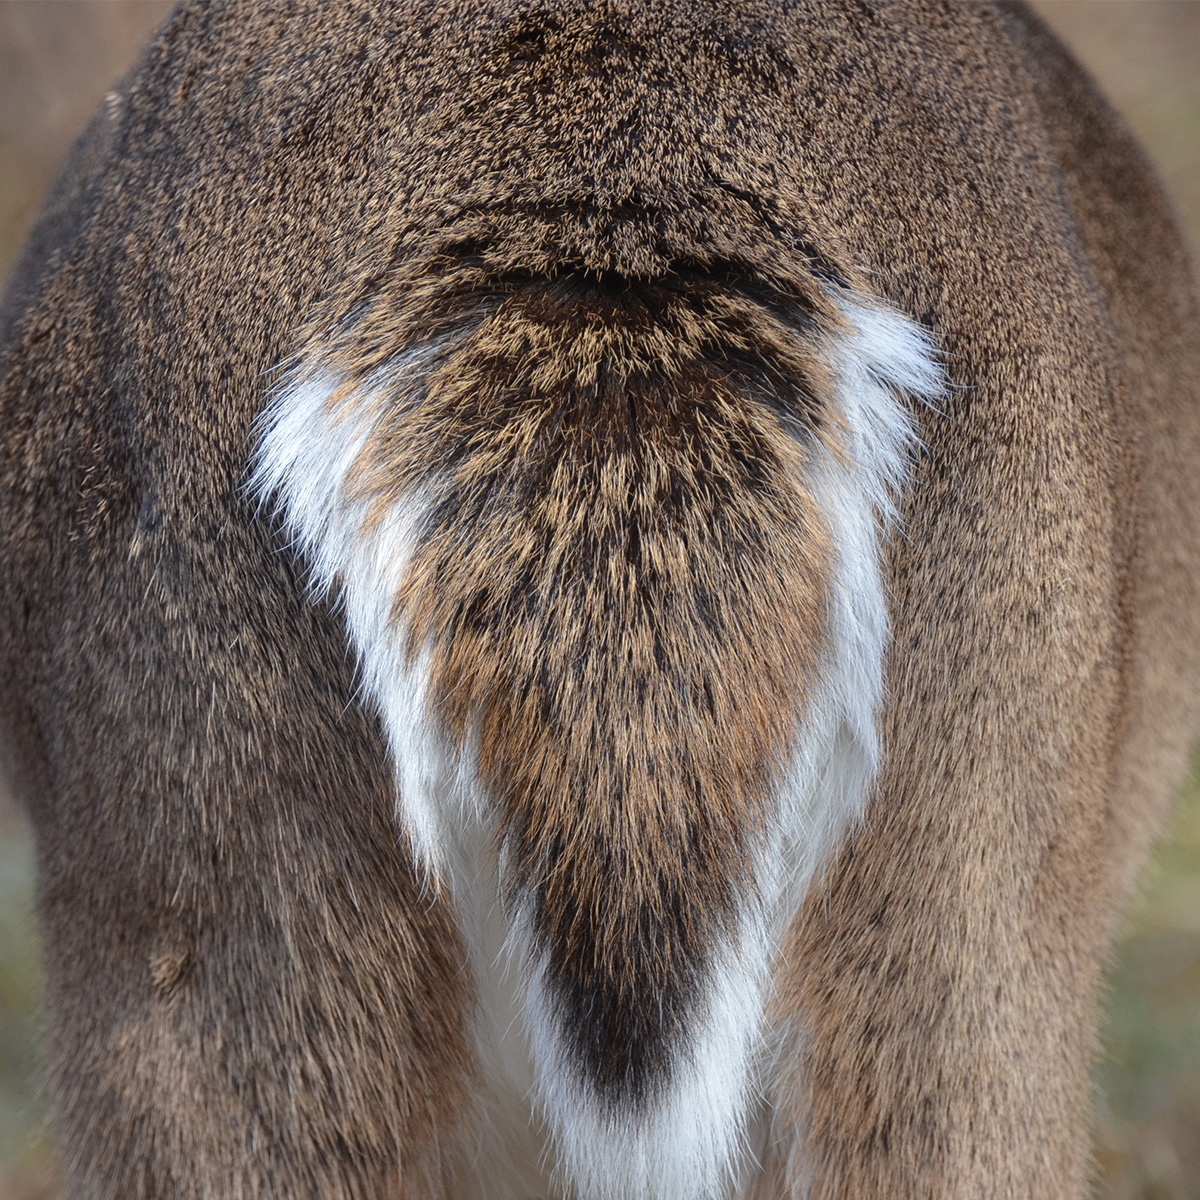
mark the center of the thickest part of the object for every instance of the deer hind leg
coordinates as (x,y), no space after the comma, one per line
(248,995)
(939,993)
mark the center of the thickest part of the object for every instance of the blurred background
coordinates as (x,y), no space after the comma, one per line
(57,60)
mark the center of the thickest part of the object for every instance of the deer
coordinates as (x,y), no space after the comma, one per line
(599,600)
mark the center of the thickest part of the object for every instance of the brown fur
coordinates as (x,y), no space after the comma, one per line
(247,994)
(623,582)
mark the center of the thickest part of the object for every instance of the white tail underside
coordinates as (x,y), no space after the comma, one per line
(693,1144)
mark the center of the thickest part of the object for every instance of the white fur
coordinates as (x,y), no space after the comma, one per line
(689,1147)
(692,1146)
(881,366)
(305,461)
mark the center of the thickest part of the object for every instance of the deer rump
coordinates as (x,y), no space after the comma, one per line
(608,550)
(596,402)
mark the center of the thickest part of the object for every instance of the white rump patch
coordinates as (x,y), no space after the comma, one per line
(693,1144)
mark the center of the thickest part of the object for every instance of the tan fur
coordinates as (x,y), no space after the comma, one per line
(625,702)
(248,993)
